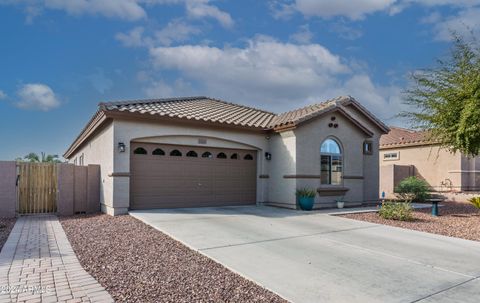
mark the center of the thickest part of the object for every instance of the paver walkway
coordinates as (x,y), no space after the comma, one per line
(37,264)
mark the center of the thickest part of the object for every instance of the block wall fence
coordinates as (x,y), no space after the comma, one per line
(78,189)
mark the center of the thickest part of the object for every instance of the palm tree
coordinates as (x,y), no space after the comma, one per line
(44,158)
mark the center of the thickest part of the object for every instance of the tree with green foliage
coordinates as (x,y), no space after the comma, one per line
(43,158)
(447,99)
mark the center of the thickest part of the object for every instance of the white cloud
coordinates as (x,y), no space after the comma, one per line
(37,96)
(463,23)
(201,9)
(354,10)
(175,31)
(123,9)
(133,38)
(100,81)
(303,36)
(2,95)
(384,101)
(345,31)
(273,75)
(161,89)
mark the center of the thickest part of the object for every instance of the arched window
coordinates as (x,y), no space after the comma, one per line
(331,162)
(158,152)
(192,154)
(140,151)
(248,157)
(207,155)
(222,156)
(234,156)
(175,153)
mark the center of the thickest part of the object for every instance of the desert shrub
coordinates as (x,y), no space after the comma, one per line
(413,189)
(306,192)
(475,202)
(396,211)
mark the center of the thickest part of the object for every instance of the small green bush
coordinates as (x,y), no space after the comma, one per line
(306,192)
(475,202)
(413,189)
(396,211)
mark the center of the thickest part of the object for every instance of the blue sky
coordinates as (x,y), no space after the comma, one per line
(59,58)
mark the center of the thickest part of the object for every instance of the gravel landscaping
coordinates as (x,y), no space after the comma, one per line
(137,263)
(6,226)
(460,220)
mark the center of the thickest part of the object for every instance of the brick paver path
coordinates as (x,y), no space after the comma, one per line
(37,264)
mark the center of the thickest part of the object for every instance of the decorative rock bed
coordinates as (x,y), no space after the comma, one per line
(137,263)
(460,220)
(6,226)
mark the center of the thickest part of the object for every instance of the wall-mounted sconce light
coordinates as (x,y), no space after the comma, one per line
(121,147)
(268,156)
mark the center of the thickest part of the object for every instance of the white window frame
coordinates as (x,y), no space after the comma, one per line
(391,156)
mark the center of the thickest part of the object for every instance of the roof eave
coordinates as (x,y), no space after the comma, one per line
(96,121)
(351,101)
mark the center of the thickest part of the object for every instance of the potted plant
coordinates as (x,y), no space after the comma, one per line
(340,203)
(306,198)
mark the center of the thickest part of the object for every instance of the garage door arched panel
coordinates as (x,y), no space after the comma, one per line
(178,179)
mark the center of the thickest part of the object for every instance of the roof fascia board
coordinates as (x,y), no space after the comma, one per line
(367,114)
(98,119)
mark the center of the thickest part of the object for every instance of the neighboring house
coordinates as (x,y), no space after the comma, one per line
(404,153)
(198,151)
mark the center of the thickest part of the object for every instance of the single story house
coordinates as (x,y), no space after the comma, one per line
(199,151)
(405,153)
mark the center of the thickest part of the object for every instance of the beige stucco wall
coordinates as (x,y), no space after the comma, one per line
(431,163)
(127,131)
(294,152)
(309,138)
(281,191)
(99,150)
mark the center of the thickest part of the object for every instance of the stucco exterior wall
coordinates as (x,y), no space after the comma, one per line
(281,191)
(294,152)
(433,164)
(309,138)
(127,131)
(99,150)
(8,189)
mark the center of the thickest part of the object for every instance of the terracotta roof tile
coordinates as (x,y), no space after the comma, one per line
(214,110)
(403,137)
(304,113)
(196,108)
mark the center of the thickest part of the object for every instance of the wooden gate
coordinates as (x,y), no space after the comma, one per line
(37,188)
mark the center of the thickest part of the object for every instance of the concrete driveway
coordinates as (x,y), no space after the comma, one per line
(313,257)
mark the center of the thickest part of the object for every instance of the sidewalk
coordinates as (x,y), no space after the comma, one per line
(37,264)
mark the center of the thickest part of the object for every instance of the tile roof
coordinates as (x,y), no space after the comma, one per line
(216,111)
(302,114)
(404,137)
(196,108)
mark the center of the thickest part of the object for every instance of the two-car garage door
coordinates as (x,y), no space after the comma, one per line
(169,176)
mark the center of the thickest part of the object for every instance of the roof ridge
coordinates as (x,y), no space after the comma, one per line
(151,100)
(405,129)
(176,99)
(314,104)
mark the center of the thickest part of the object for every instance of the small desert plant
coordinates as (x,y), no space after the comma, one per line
(396,211)
(412,189)
(306,192)
(475,201)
